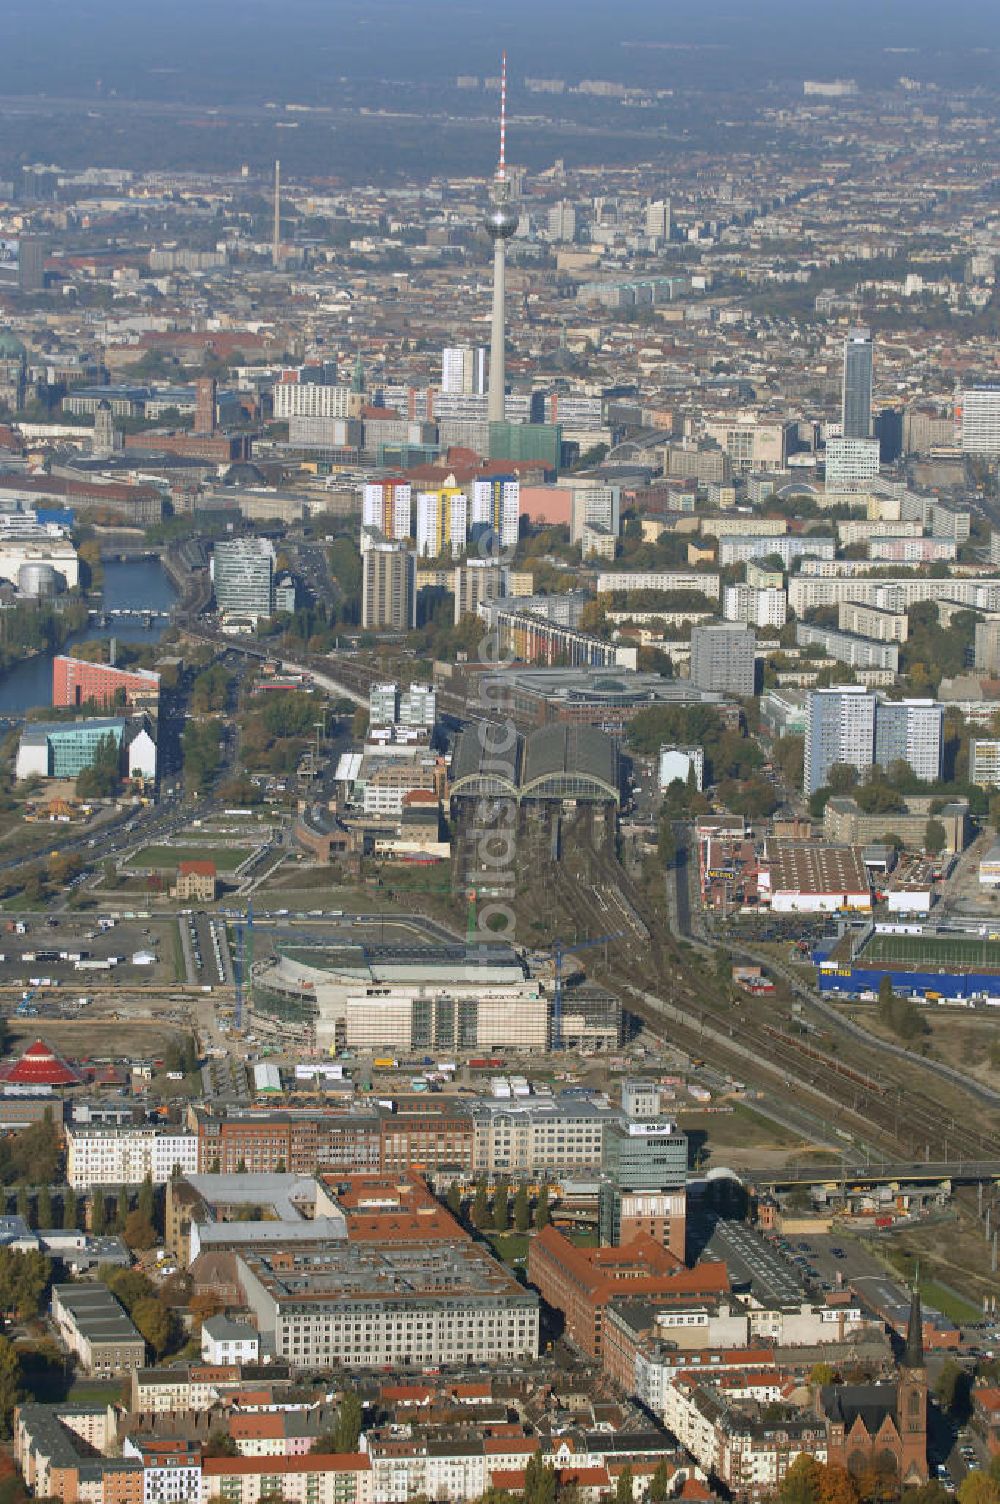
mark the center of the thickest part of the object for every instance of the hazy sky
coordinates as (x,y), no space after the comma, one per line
(189,48)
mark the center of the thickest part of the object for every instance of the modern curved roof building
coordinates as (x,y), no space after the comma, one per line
(558,761)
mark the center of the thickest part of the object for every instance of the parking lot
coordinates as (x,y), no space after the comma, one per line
(754,1261)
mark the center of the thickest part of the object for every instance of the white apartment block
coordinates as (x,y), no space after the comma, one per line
(868,621)
(891,595)
(758,608)
(594,506)
(851,530)
(310,399)
(658,579)
(463,369)
(388,506)
(418,706)
(857,652)
(167,1480)
(980,419)
(911,550)
(737,548)
(729,524)
(851,463)
(984,762)
(370,1307)
(496,504)
(125,1156)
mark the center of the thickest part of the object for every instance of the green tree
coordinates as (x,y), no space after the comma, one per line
(501,1207)
(347,1432)
(121,1210)
(480,1206)
(952,1391)
(453,1200)
(542,1214)
(539,1481)
(98,1212)
(660,1485)
(24,1205)
(24,1279)
(220,1444)
(146,1203)
(934,837)
(70,1209)
(44,1211)
(522,1209)
(625,1488)
(11,1386)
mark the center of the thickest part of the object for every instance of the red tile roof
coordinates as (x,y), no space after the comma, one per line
(312,1462)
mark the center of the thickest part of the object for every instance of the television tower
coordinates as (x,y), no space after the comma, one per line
(501,222)
(276,240)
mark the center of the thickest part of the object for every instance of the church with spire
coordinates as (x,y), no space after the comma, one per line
(882,1427)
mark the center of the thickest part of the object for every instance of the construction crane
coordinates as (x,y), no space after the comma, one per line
(243,968)
(557,951)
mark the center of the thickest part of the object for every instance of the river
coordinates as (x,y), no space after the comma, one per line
(132,584)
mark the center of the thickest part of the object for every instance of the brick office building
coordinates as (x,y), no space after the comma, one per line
(581,1282)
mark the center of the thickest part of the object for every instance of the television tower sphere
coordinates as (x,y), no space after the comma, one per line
(502,219)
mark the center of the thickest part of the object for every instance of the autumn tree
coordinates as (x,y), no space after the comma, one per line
(801,1483)
(155,1323)
(139,1231)
(978,1488)
(836,1486)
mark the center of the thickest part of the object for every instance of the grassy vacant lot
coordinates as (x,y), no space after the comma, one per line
(508,1246)
(954,1263)
(224,857)
(94,1038)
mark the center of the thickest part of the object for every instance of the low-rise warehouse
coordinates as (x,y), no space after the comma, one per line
(95,1327)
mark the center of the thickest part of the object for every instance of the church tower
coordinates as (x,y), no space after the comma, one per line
(911,1400)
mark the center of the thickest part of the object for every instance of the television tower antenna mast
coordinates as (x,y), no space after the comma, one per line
(501,223)
(276,240)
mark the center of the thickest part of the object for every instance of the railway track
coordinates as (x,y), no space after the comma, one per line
(885,1110)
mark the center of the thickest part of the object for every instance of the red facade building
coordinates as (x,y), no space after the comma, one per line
(77,682)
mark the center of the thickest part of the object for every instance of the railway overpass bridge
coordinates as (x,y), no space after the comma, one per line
(881,1172)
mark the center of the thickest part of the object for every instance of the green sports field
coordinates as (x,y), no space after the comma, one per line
(963,952)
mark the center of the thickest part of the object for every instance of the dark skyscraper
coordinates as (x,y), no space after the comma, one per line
(856,405)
